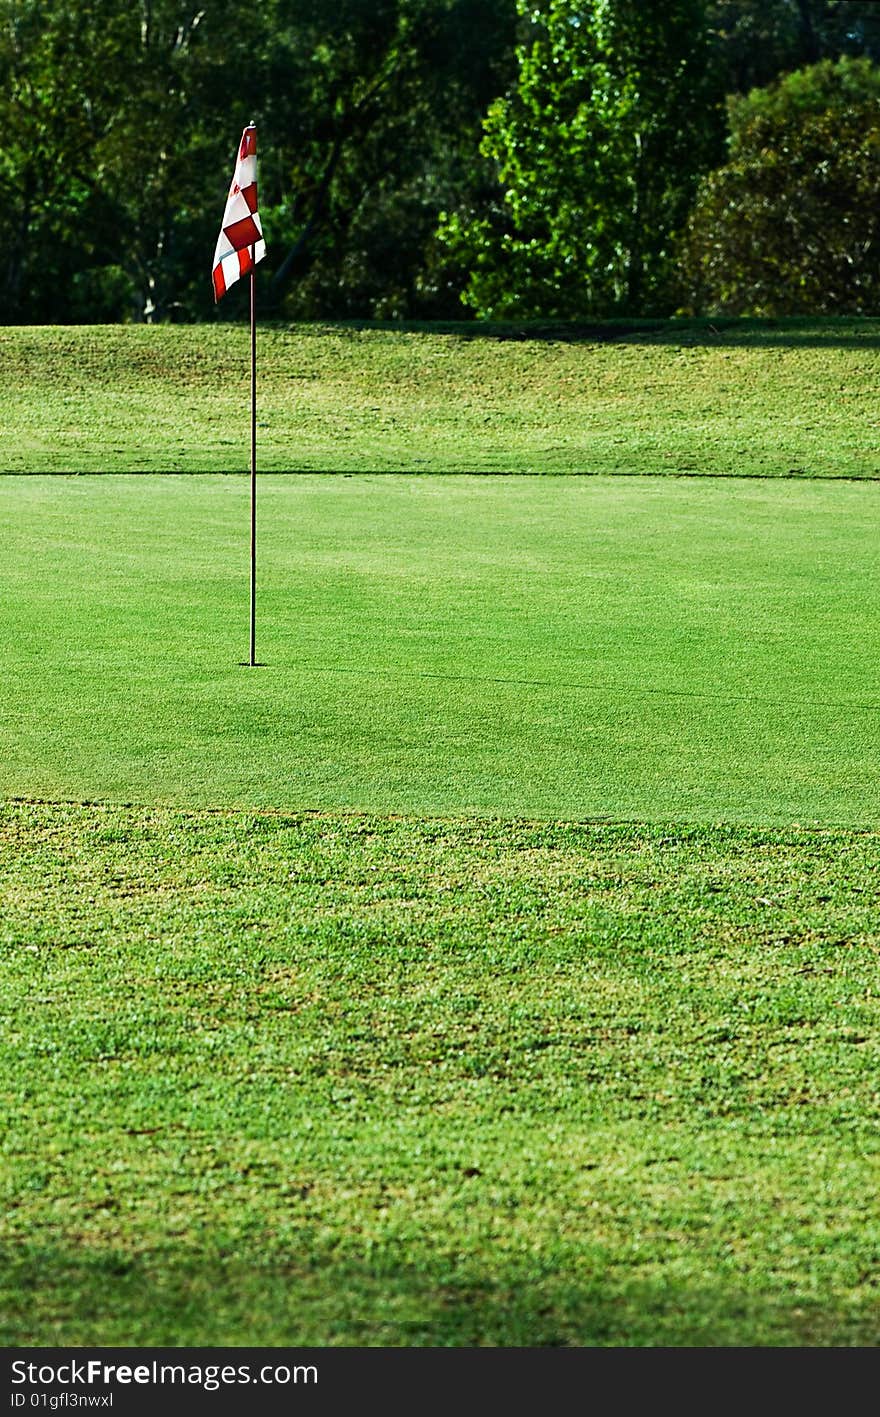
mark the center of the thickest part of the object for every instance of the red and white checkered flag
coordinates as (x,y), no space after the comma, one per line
(240,243)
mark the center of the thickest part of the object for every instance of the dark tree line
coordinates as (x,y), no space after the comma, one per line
(121,119)
(547,158)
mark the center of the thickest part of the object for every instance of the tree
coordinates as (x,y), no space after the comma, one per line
(791,223)
(112,160)
(758,40)
(54,94)
(379,104)
(120,119)
(597,150)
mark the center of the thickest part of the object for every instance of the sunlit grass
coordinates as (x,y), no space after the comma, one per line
(496,964)
(787,398)
(284,1079)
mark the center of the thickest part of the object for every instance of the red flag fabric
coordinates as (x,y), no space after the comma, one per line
(240,243)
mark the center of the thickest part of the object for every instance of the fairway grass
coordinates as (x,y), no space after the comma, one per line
(745,397)
(642,649)
(285,1079)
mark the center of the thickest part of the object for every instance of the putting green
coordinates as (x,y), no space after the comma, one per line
(652,648)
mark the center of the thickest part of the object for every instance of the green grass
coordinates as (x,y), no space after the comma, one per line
(744,397)
(306,1079)
(497,964)
(647,649)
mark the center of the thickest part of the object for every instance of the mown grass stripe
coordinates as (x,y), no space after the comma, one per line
(574,648)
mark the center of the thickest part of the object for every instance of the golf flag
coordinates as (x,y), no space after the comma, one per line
(240,243)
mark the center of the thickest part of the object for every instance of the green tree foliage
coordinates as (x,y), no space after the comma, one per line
(757,40)
(121,119)
(54,93)
(379,102)
(791,224)
(597,150)
(121,133)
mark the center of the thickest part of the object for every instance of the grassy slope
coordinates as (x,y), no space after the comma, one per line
(645,649)
(303,1079)
(744,397)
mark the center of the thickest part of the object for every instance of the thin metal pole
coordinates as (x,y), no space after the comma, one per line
(253,658)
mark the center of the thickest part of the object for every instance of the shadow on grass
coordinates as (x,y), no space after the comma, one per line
(794,332)
(671,474)
(186,1298)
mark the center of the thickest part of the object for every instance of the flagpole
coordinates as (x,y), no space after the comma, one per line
(242,232)
(253,658)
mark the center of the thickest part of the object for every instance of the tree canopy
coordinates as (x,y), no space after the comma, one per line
(598,149)
(791,223)
(537,157)
(122,120)
(759,40)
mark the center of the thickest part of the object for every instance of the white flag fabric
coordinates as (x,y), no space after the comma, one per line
(240,243)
